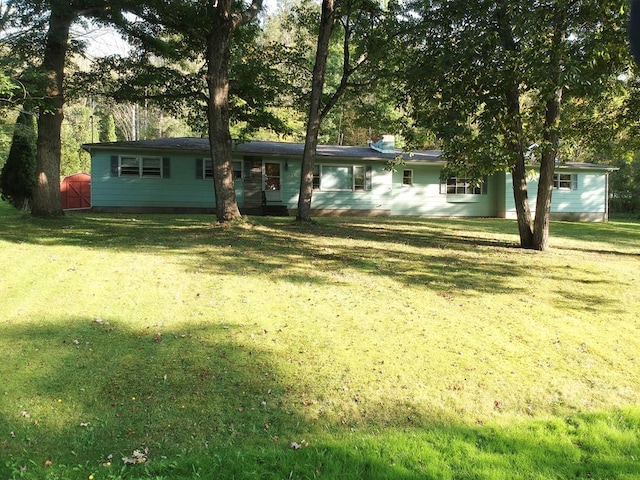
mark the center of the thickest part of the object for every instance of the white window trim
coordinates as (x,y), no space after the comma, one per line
(403,177)
(444,186)
(364,178)
(573,181)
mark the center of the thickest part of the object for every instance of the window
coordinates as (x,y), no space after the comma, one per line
(336,178)
(407,177)
(146,167)
(237,170)
(205,169)
(151,167)
(129,166)
(464,186)
(208,168)
(565,181)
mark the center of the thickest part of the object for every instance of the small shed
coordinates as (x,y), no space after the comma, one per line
(75,191)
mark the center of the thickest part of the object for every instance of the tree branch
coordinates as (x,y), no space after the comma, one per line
(347,69)
(248,15)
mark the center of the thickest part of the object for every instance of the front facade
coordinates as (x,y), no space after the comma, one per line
(175,175)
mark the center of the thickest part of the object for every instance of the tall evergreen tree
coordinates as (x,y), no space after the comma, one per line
(107,128)
(17,178)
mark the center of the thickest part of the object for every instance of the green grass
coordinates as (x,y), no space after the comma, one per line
(397,348)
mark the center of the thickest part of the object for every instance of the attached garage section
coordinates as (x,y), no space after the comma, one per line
(75,191)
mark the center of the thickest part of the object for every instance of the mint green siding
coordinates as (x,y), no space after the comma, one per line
(181,190)
(425,198)
(414,189)
(377,198)
(588,201)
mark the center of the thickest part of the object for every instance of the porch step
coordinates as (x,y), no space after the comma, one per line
(275,211)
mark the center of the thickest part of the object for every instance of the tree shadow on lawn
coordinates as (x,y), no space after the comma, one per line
(623,238)
(470,255)
(287,251)
(83,392)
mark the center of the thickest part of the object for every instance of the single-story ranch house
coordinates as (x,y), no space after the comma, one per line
(174,174)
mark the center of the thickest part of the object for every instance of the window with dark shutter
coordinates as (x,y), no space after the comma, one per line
(115,170)
(199,172)
(166,167)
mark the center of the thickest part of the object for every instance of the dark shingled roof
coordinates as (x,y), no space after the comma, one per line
(285,149)
(262,148)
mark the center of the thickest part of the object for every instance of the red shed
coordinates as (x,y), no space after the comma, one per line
(75,191)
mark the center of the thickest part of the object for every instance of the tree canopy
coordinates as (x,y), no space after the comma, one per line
(500,85)
(501,74)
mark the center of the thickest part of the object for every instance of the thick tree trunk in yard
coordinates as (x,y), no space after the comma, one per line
(313,123)
(551,135)
(521,199)
(547,171)
(218,112)
(514,132)
(46,195)
(518,169)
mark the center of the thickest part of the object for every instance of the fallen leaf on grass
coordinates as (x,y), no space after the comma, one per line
(298,446)
(137,457)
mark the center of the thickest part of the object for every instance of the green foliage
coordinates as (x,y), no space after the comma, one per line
(624,186)
(107,129)
(76,130)
(7,122)
(459,69)
(7,87)
(169,71)
(18,177)
(367,104)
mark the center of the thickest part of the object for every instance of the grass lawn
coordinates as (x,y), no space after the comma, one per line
(166,347)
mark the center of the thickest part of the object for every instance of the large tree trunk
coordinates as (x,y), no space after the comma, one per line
(551,136)
(514,132)
(313,123)
(547,170)
(218,54)
(518,169)
(46,195)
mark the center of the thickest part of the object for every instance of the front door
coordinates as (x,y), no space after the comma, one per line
(272,184)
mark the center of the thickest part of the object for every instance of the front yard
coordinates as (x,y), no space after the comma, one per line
(370,348)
